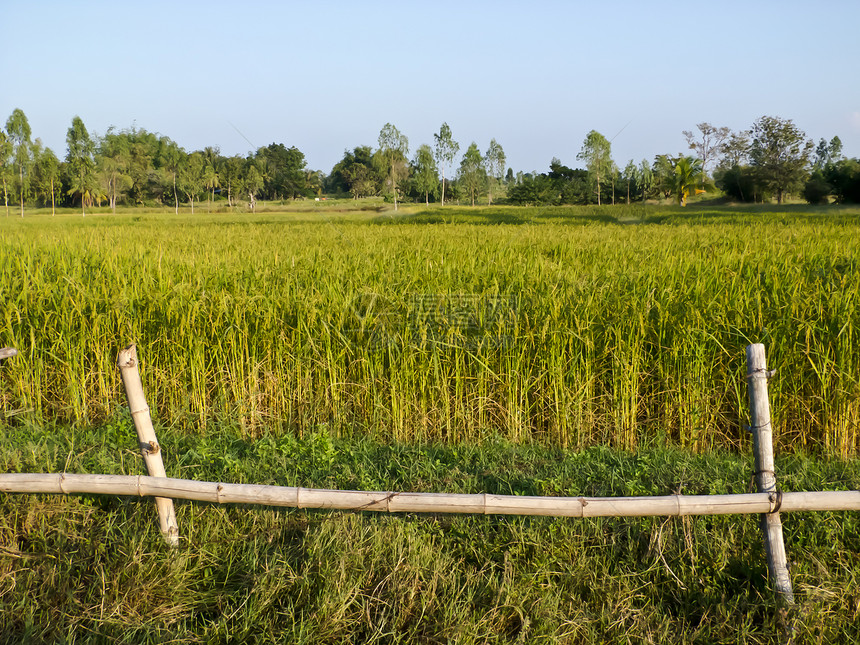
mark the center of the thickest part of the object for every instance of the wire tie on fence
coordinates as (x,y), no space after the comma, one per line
(775,502)
(768,374)
(140,411)
(761,427)
(62,480)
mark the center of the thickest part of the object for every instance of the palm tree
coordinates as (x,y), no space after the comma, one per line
(687,173)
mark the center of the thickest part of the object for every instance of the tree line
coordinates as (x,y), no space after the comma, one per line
(771,161)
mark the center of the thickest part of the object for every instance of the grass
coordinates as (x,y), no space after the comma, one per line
(573,326)
(556,351)
(93,569)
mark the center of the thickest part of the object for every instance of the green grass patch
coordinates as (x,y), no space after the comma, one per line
(94,569)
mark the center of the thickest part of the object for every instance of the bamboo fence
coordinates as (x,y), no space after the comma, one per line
(769,501)
(407,502)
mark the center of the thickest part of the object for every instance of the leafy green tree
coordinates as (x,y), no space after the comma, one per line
(5,155)
(735,149)
(355,174)
(47,174)
(19,133)
(252,182)
(646,178)
(114,160)
(284,172)
(81,163)
(630,177)
(780,154)
(230,172)
(827,153)
(425,172)
(495,162)
(663,172)
(191,177)
(844,177)
(596,152)
(210,181)
(446,150)
(172,157)
(392,154)
(472,174)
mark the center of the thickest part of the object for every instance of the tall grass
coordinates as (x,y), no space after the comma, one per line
(570,326)
(94,568)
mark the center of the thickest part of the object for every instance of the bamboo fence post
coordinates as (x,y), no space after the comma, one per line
(149,446)
(765,476)
(8,352)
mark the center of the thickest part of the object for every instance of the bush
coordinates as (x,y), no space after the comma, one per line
(817,190)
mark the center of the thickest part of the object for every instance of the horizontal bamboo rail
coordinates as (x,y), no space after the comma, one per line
(482,503)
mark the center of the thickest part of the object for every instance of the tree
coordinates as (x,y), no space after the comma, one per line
(780,154)
(355,174)
(446,150)
(173,158)
(709,143)
(253,183)
(81,163)
(472,174)
(663,173)
(645,178)
(687,172)
(630,176)
(735,150)
(596,152)
(47,173)
(210,181)
(426,174)
(283,170)
(114,161)
(18,131)
(495,160)
(191,177)
(393,149)
(827,153)
(230,175)
(5,154)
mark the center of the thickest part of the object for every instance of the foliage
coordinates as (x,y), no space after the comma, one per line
(425,173)
(93,569)
(81,163)
(844,177)
(446,150)
(708,144)
(817,190)
(356,174)
(19,136)
(495,167)
(392,156)
(780,154)
(740,183)
(687,176)
(596,152)
(285,172)
(472,175)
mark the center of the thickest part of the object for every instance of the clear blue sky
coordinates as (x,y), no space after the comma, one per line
(537,76)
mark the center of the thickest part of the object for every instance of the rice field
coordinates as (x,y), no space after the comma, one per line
(566,326)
